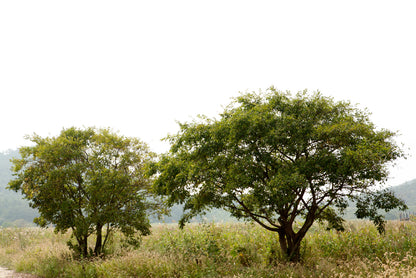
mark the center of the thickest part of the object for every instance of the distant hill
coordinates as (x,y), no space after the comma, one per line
(15,211)
(214,215)
(407,192)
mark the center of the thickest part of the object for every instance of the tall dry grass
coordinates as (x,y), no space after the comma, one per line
(220,250)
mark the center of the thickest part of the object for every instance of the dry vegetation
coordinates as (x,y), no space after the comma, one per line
(220,250)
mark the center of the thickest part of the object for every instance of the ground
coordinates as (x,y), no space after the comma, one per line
(6,273)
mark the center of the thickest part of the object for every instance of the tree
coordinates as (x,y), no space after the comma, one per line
(274,158)
(86,180)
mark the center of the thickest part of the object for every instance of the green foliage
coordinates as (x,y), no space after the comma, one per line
(368,206)
(273,158)
(334,221)
(86,180)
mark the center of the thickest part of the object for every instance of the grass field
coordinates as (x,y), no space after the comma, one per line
(220,250)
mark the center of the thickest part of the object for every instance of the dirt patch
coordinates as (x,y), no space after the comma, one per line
(7,273)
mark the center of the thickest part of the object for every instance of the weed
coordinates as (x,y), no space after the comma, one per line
(220,250)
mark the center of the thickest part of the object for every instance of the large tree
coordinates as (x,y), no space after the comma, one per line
(86,180)
(275,159)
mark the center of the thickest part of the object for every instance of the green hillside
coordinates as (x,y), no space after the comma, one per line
(407,191)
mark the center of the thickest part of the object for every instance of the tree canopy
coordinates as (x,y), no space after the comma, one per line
(86,180)
(275,159)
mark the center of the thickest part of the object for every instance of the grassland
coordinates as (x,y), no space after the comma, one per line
(220,250)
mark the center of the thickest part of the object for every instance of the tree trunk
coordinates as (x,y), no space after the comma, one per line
(107,234)
(290,241)
(83,246)
(99,240)
(290,245)
(293,251)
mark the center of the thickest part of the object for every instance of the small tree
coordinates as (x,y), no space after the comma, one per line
(273,158)
(86,180)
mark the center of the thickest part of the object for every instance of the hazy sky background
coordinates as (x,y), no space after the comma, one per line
(140,66)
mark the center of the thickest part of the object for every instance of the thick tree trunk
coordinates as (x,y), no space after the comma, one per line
(293,251)
(290,241)
(290,245)
(99,240)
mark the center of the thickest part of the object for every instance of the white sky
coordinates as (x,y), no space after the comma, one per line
(138,66)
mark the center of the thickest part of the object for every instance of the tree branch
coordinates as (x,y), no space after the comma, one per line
(256,216)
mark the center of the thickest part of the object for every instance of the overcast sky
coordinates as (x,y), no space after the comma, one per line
(140,66)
